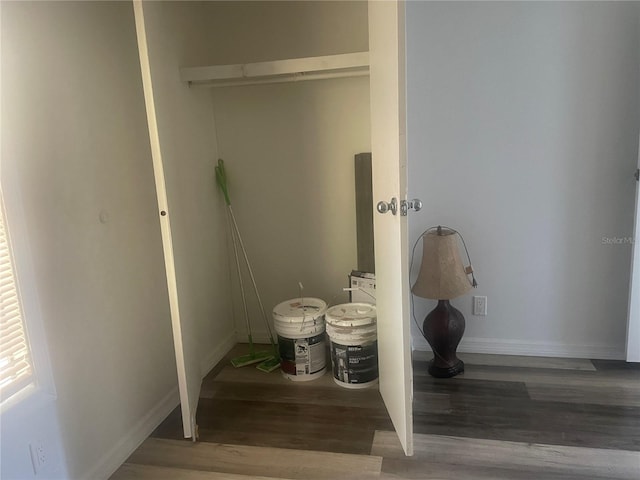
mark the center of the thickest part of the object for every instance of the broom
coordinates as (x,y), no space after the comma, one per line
(269,361)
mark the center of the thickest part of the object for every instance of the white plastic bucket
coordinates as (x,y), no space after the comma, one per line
(300,324)
(352,330)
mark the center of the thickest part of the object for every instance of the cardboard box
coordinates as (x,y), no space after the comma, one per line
(364,287)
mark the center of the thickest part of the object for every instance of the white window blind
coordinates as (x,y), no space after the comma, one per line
(16,371)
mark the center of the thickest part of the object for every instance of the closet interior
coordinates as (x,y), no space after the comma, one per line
(284,101)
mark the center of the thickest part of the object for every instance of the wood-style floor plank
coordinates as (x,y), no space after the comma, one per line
(249,460)
(430,402)
(415,470)
(530,458)
(543,422)
(246,406)
(506,417)
(505,410)
(615,396)
(283,425)
(632,368)
(515,361)
(627,379)
(341,429)
(286,440)
(462,387)
(130,471)
(326,397)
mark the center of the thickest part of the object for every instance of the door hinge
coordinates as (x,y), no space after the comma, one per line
(637,174)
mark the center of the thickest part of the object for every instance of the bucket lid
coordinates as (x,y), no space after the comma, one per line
(351,314)
(299,309)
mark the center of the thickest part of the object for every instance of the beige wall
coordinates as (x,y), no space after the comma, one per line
(289,154)
(289,147)
(74,129)
(73,125)
(240,32)
(189,153)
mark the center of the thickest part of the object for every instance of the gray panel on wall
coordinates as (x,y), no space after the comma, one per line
(364,213)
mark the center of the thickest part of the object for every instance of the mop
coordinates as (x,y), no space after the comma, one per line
(269,361)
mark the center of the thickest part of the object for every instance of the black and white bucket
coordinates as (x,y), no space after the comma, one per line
(352,330)
(300,327)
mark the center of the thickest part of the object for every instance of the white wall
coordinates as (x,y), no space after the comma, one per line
(74,130)
(633,327)
(522,133)
(29,418)
(289,148)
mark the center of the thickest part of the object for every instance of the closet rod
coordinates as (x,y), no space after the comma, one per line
(277,71)
(293,77)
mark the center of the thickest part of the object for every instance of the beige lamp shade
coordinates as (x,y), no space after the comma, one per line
(442,275)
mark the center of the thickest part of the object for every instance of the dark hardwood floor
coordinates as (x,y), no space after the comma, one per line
(556,411)
(506,417)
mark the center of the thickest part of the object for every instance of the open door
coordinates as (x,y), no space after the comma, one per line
(633,327)
(187,363)
(388,143)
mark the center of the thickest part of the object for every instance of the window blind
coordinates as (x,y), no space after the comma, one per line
(16,371)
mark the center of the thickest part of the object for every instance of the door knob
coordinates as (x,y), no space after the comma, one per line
(384,207)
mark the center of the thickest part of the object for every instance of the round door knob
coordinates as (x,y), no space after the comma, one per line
(384,207)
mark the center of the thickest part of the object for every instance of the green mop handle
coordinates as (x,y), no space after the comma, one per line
(221,179)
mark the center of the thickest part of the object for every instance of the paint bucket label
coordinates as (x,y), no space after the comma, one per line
(355,364)
(302,356)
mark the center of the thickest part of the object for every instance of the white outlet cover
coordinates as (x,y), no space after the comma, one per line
(38,456)
(479,305)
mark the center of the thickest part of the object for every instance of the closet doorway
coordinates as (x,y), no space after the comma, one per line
(179,39)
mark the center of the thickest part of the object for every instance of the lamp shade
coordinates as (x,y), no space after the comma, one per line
(442,275)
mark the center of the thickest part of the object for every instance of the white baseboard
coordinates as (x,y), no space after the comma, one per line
(111,461)
(218,353)
(501,346)
(257,336)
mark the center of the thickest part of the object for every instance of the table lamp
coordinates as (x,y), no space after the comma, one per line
(443,277)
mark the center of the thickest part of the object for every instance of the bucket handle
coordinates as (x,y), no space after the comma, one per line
(304,316)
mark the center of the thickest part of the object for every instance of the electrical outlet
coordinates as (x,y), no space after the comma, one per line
(479,305)
(38,456)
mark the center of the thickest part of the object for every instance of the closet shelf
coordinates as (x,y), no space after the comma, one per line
(277,71)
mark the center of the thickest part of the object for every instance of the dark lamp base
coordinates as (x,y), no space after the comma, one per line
(445,372)
(443,329)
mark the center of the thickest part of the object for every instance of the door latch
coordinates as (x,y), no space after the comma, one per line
(405,206)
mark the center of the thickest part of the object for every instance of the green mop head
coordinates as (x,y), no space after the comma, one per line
(269,365)
(249,358)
